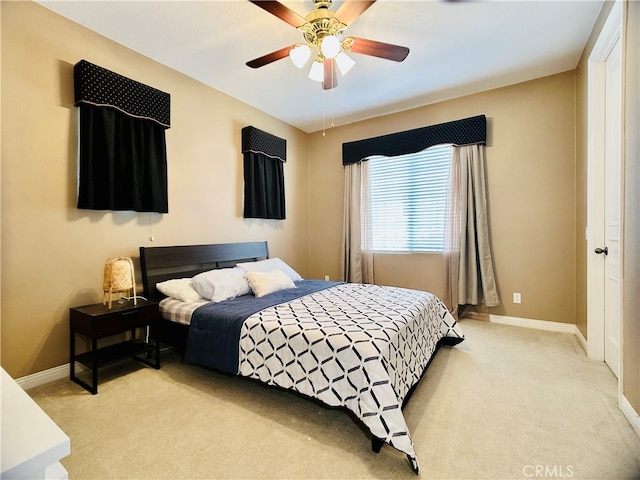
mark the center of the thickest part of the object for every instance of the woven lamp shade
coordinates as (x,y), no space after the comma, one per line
(118,278)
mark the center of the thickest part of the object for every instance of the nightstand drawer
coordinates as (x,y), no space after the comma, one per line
(96,321)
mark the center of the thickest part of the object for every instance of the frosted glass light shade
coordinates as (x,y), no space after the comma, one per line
(344,62)
(317,71)
(300,54)
(330,46)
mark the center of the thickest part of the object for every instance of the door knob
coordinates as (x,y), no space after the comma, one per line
(604,250)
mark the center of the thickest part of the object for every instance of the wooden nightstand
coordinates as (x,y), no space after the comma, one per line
(97,321)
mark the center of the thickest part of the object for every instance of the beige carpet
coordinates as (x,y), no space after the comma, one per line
(507,403)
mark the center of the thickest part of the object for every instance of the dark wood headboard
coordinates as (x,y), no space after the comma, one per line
(164,263)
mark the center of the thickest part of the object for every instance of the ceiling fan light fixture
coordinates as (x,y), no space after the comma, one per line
(323,32)
(344,62)
(330,46)
(317,70)
(299,54)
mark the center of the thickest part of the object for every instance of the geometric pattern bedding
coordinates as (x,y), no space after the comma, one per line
(358,346)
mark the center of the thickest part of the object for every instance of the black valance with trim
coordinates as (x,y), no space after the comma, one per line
(97,86)
(264,156)
(467,131)
(256,141)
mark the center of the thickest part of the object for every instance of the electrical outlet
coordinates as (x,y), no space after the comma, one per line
(326,277)
(517,298)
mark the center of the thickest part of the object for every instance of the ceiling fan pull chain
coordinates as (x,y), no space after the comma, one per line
(333,66)
(323,116)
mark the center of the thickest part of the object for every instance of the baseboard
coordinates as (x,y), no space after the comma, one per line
(536,324)
(46,376)
(630,414)
(483,317)
(582,341)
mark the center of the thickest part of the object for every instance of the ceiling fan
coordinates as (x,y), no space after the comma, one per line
(323,31)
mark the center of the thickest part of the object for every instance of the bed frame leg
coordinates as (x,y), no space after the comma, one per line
(376,444)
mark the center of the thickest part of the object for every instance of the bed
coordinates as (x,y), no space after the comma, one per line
(357,346)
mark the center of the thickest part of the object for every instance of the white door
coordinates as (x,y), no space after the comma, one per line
(612,209)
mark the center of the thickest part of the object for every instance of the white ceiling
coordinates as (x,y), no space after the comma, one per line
(457,48)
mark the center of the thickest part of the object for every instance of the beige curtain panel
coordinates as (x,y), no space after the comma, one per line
(453,229)
(357,258)
(476,280)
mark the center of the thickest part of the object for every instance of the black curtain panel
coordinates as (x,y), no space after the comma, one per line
(123,156)
(264,156)
(263,187)
(123,162)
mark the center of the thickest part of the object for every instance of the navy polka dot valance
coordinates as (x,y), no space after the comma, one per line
(257,141)
(467,131)
(97,86)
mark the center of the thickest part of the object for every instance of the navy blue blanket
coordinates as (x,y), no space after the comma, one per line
(214,332)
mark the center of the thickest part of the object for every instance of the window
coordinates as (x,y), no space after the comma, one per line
(408,200)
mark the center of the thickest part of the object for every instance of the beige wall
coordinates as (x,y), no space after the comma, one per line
(531,185)
(53,253)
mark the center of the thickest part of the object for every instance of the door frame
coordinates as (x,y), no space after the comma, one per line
(611,32)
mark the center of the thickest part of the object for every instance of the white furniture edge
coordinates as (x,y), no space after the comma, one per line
(32,443)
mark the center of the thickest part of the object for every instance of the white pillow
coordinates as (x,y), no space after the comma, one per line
(221,284)
(268,265)
(180,288)
(263,283)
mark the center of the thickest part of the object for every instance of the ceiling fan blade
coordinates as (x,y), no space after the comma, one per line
(379,49)
(350,10)
(281,11)
(330,77)
(269,57)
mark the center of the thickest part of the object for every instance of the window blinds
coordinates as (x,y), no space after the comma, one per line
(408,200)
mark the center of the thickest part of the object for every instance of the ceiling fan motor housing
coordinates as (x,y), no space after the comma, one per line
(320,26)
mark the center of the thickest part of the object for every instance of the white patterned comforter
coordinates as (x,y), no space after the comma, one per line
(357,346)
